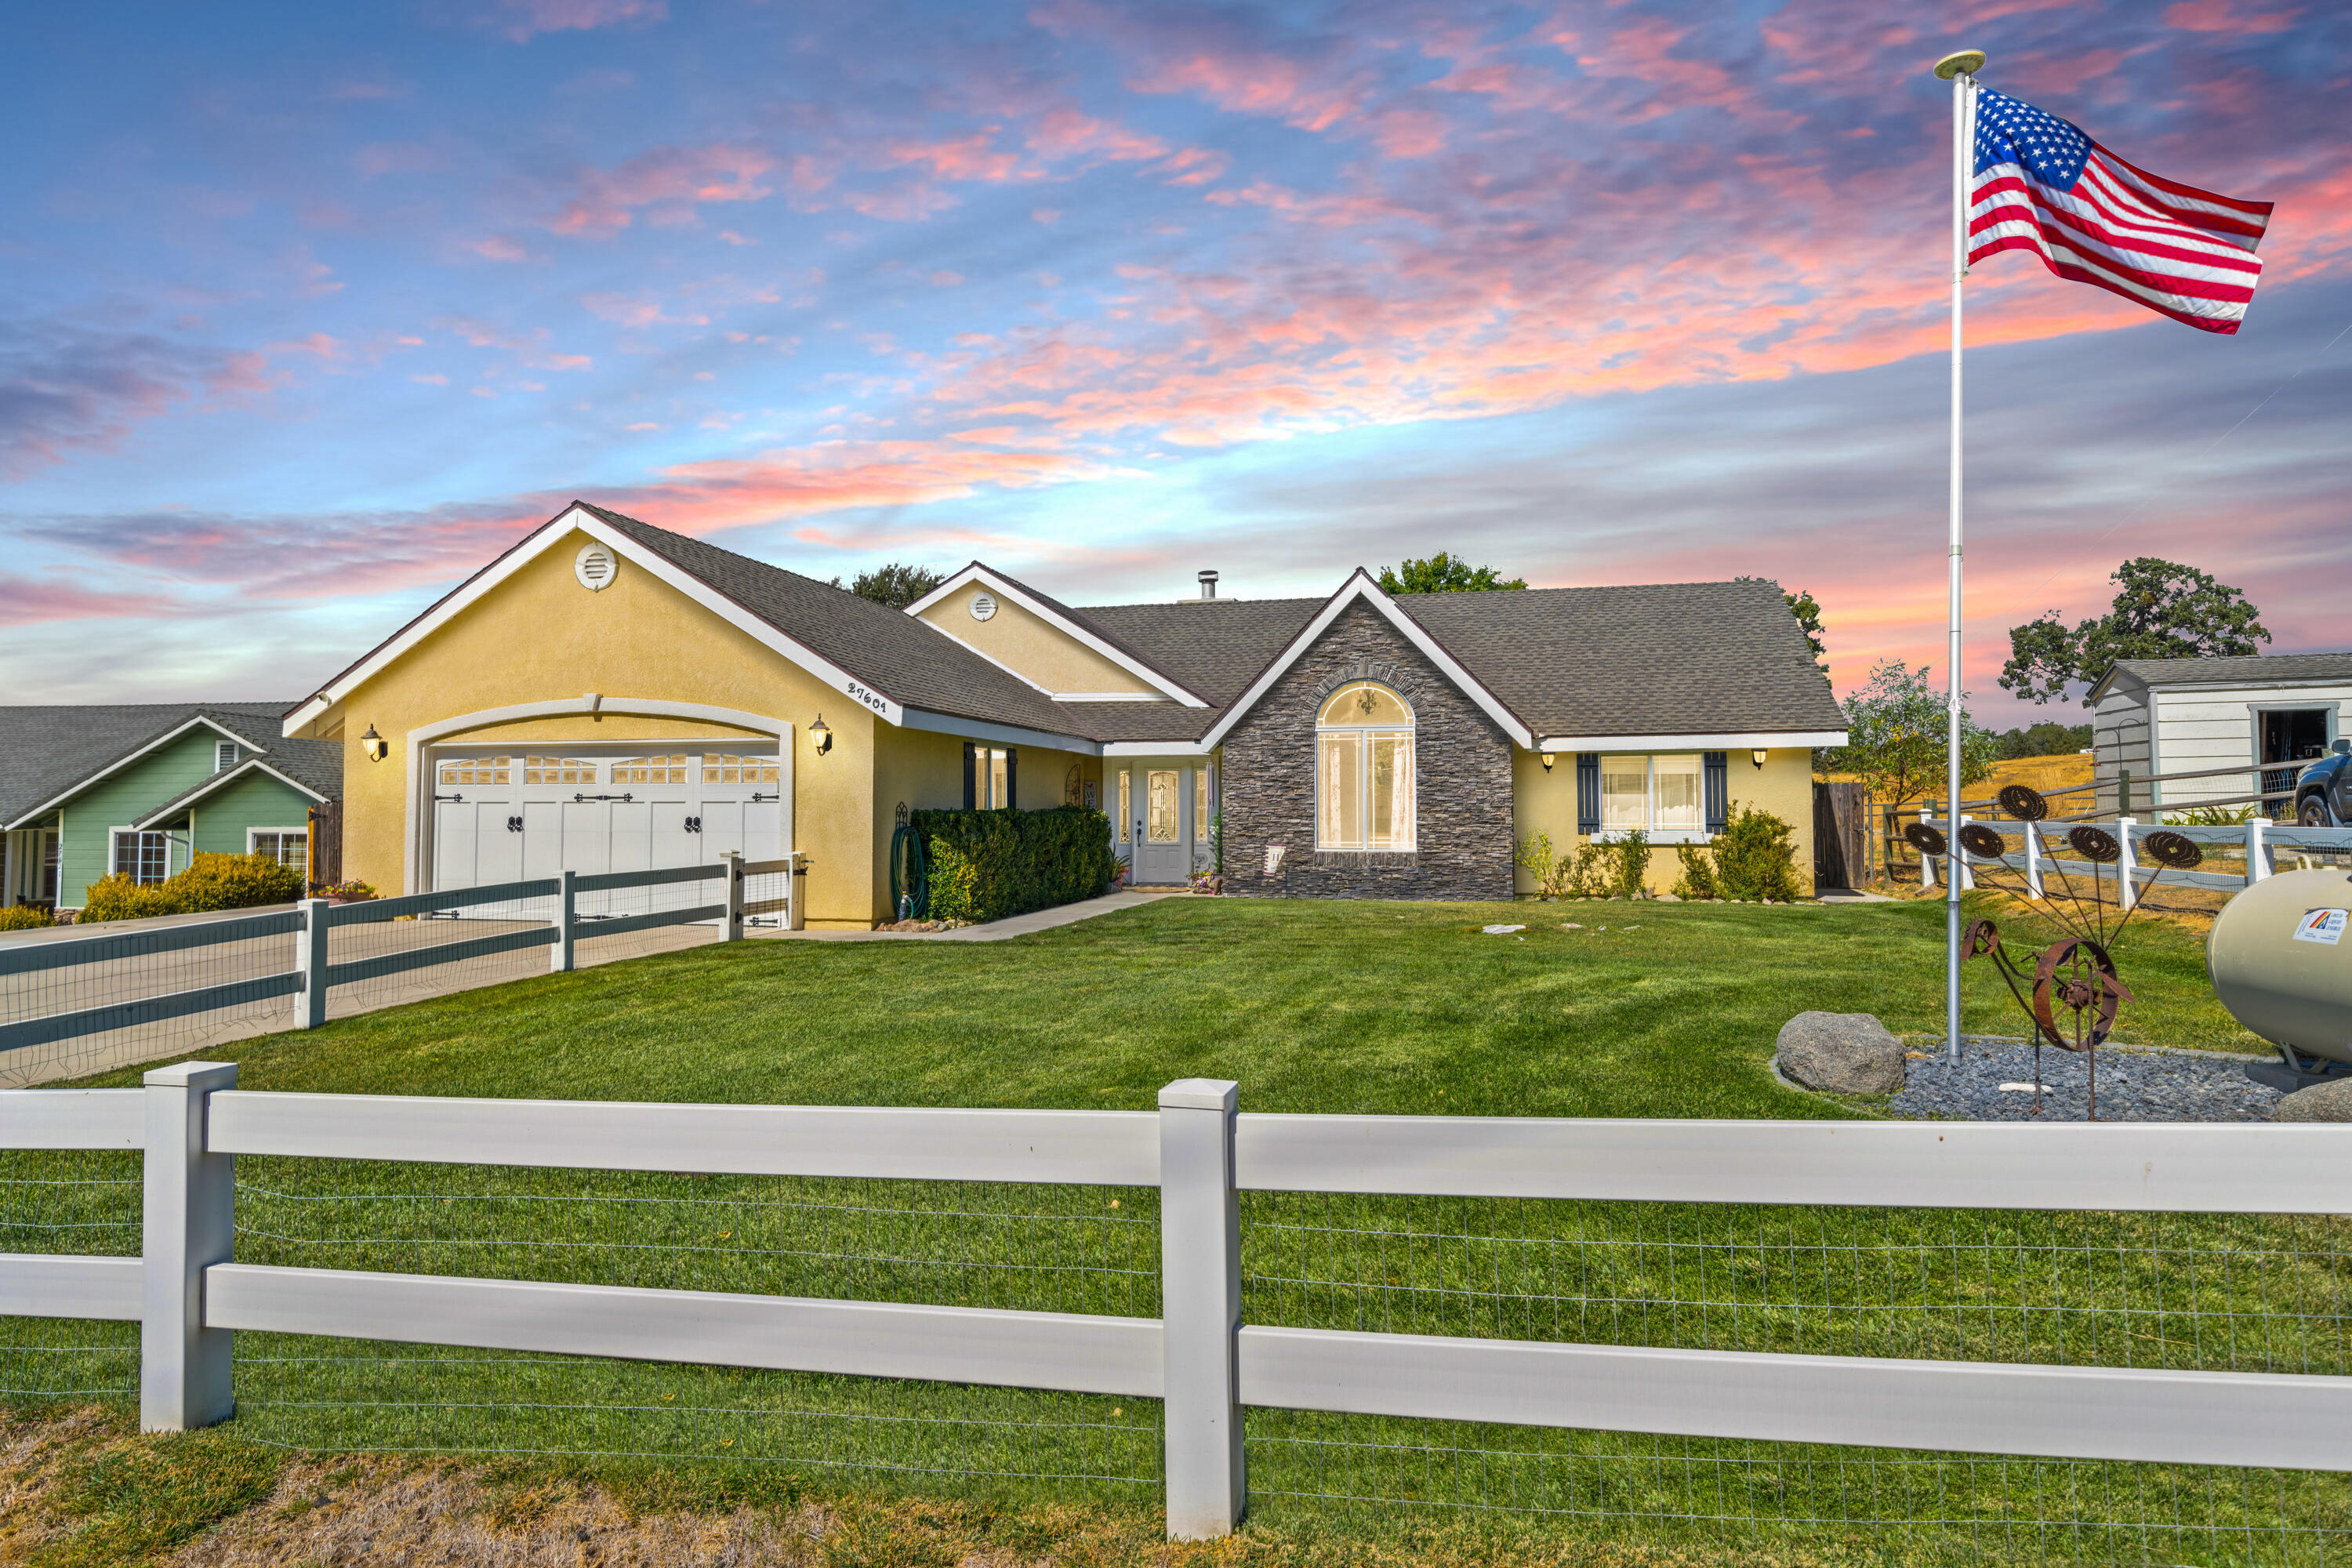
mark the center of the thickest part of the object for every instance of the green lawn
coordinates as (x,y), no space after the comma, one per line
(1670,1011)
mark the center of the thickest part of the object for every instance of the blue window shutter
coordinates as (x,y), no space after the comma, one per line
(971,777)
(1588,793)
(1717,787)
(1012,778)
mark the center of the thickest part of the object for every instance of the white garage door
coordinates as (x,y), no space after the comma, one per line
(498,816)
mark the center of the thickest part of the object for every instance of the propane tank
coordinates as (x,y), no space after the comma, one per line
(2281,960)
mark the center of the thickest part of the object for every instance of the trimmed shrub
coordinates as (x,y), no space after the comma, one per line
(1697,880)
(213,882)
(234,882)
(115,896)
(1631,856)
(986,864)
(25,917)
(1756,857)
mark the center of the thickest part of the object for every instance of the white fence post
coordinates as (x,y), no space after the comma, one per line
(2032,859)
(2128,894)
(1960,857)
(1928,861)
(2258,853)
(1199,1307)
(730,928)
(567,918)
(310,962)
(188,1223)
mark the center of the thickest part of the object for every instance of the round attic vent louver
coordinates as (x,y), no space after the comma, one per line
(983,606)
(595,567)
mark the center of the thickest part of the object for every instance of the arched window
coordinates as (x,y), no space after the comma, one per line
(1363,770)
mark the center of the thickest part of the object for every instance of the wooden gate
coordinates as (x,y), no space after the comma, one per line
(1841,836)
(326,843)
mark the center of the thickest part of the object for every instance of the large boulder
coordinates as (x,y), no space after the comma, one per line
(1841,1053)
(2320,1103)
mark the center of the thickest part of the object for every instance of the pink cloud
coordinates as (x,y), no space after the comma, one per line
(500,247)
(677,178)
(28,601)
(521,20)
(2225,16)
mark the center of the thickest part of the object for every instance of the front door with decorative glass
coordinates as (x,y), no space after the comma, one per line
(1162,832)
(501,816)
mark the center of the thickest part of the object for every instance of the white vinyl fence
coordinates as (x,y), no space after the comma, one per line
(2043,851)
(190,1295)
(141,985)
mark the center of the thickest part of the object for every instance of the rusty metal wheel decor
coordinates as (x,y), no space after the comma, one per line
(1983,842)
(1925,839)
(2174,851)
(2023,803)
(2094,844)
(2078,974)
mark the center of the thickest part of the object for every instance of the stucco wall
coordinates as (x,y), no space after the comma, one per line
(541,637)
(1783,786)
(1030,646)
(1463,793)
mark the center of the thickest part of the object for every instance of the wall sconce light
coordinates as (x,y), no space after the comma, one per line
(820,737)
(376,747)
(1756,756)
(1547,760)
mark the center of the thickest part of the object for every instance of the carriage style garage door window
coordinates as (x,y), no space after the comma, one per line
(503,816)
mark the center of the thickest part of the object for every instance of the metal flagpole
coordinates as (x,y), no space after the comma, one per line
(1959,69)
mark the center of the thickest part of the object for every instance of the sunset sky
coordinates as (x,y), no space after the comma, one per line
(311,310)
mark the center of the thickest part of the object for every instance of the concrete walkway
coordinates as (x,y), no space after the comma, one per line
(994,930)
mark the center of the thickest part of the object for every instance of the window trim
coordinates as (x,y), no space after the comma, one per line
(303,833)
(1650,829)
(1366,735)
(114,837)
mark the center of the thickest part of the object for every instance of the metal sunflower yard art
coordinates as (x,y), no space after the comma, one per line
(2077,972)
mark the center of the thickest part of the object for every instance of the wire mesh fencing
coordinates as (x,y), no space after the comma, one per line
(1023,1248)
(86,1203)
(111,1003)
(2205,1292)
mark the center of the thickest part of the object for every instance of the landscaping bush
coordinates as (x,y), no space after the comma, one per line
(986,864)
(115,896)
(1756,857)
(25,917)
(1630,858)
(213,882)
(1697,880)
(234,882)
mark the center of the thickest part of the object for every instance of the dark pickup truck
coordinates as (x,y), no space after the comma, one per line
(2323,791)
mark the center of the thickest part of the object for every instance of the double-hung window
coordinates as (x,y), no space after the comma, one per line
(1364,770)
(289,846)
(1657,794)
(143,856)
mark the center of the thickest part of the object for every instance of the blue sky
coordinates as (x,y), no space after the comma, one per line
(310,310)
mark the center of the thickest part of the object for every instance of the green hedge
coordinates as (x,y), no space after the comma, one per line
(213,882)
(986,864)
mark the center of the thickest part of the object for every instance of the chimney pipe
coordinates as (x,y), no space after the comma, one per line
(1208,584)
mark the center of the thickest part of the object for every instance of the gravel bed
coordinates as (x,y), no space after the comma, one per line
(2136,1084)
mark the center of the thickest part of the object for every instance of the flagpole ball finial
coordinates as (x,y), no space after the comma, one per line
(1968,62)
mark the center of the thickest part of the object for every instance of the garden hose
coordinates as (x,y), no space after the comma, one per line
(910,873)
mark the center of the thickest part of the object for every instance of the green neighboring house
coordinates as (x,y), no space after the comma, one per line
(143,788)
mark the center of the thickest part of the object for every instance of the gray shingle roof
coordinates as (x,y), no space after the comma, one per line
(2241,669)
(46,749)
(1212,647)
(1143,720)
(900,656)
(1653,660)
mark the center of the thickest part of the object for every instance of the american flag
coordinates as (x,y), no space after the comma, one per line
(2040,184)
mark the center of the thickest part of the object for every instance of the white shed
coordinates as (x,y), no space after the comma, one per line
(2155,716)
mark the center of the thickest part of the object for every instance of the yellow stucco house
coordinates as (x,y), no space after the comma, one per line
(609,695)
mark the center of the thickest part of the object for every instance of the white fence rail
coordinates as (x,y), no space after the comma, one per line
(313,975)
(2042,847)
(190,1295)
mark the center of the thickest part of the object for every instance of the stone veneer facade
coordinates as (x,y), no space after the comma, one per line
(1462,779)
